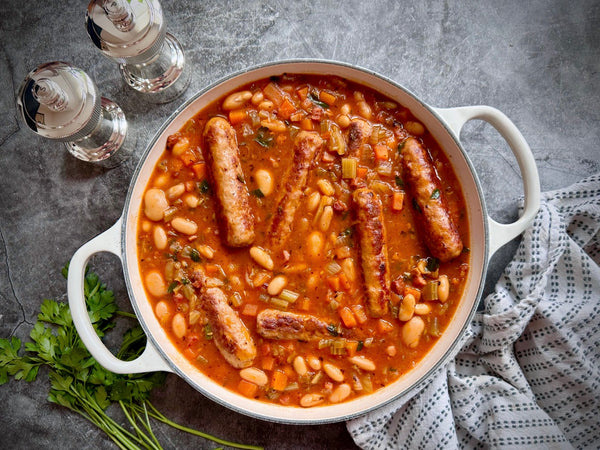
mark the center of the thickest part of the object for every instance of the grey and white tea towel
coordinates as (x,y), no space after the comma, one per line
(528,374)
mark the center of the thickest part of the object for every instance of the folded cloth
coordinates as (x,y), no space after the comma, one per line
(528,374)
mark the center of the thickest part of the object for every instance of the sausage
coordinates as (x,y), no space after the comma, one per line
(230,335)
(306,147)
(373,250)
(228,180)
(275,324)
(359,132)
(441,234)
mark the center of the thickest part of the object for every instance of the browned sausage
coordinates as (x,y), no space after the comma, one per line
(441,234)
(275,324)
(228,182)
(306,148)
(230,335)
(358,134)
(373,250)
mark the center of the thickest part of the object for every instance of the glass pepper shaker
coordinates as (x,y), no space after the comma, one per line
(134,35)
(62,103)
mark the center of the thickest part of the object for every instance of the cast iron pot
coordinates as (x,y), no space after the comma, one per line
(486,236)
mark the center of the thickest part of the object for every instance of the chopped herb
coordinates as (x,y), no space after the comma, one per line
(313,98)
(360,346)
(172,286)
(348,232)
(435,194)
(432,264)
(401,146)
(208,332)
(258,193)
(416,206)
(399,181)
(204,187)
(240,178)
(194,255)
(332,329)
(466,250)
(185,281)
(264,137)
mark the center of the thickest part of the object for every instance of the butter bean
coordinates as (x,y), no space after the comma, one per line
(264,181)
(363,363)
(313,201)
(314,362)
(179,325)
(422,309)
(340,393)
(309,400)
(236,100)
(257,98)
(155,204)
(184,226)
(261,257)
(276,285)
(175,191)
(160,237)
(155,283)
(300,365)
(181,146)
(412,331)
(443,288)
(407,308)
(162,311)
(334,372)
(315,244)
(254,375)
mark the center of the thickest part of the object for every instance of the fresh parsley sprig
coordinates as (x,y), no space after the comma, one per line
(79,383)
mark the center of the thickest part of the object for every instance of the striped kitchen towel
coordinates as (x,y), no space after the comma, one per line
(528,374)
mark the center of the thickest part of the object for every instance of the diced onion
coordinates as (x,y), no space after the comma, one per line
(332,268)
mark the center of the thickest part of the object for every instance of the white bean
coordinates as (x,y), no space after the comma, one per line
(309,400)
(412,331)
(162,311)
(414,128)
(363,363)
(325,219)
(313,201)
(407,308)
(254,375)
(340,393)
(343,121)
(276,285)
(160,237)
(261,257)
(206,251)
(181,146)
(184,226)
(314,362)
(443,288)
(191,200)
(300,366)
(422,309)
(257,98)
(236,100)
(155,283)
(179,325)
(315,244)
(334,372)
(325,187)
(175,191)
(264,181)
(155,202)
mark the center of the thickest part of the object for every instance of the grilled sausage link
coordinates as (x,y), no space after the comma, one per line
(275,324)
(359,132)
(373,250)
(230,335)
(228,181)
(306,147)
(441,234)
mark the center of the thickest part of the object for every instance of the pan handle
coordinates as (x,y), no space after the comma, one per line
(455,118)
(109,241)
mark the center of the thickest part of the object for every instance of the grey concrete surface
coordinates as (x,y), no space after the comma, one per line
(537,61)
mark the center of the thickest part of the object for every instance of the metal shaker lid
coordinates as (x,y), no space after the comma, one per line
(127,32)
(59,101)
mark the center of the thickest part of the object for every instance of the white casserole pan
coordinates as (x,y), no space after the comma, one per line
(486,236)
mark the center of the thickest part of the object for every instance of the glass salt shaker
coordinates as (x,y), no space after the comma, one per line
(133,34)
(62,103)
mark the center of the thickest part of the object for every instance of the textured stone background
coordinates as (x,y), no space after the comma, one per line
(537,61)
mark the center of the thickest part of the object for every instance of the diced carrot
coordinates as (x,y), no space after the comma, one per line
(188,157)
(265,349)
(359,313)
(351,347)
(303,304)
(247,388)
(279,380)
(303,93)
(398,201)
(297,116)
(347,317)
(334,283)
(273,93)
(212,269)
(414,291)
(250,309)
(307,124)
(383,326)
(361,172)
(237,116)
(344,282)
(342,252)
(267,363)
(326,97)
(381,151)
(286,109)
(199,170)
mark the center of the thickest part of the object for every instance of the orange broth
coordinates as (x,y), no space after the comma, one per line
(332,292)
